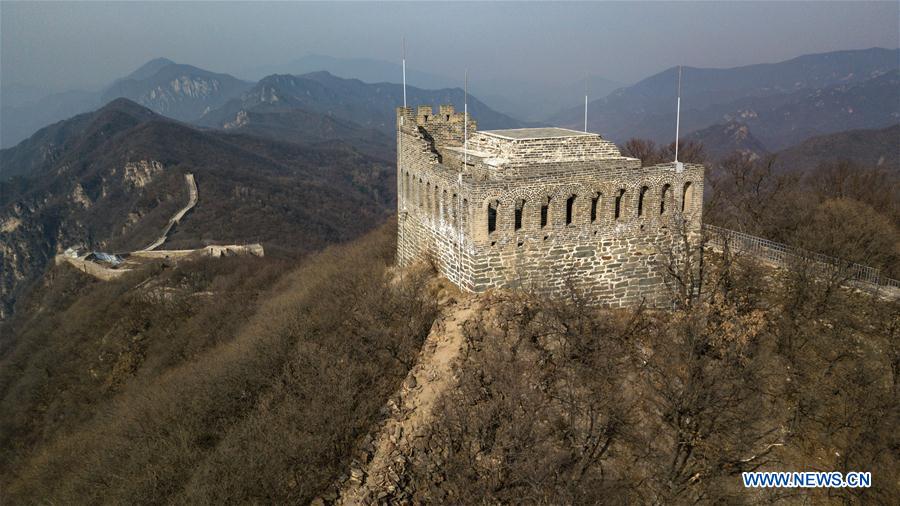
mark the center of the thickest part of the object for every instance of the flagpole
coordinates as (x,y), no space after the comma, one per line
(585,101)
(678,115)
(404,72)
(400,134)
(461,216)
(466,119)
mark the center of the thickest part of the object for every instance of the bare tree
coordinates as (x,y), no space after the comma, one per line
(647,152)
(642,149)
(689,151)
(539,407)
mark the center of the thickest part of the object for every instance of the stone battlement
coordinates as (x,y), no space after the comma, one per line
(424,116)
(546,209)
(445,128)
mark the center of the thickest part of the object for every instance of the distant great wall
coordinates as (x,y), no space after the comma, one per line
(103,271)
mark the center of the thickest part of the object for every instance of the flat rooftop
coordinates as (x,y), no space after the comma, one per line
(536,133)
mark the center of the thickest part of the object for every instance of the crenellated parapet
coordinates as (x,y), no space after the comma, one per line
(446,128)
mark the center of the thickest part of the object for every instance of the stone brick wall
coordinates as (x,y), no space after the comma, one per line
(524,152)
(480,223)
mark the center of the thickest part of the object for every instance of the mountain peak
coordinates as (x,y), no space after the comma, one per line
(326,76)
(319,73)
(159,62)
(127,106)
(148,69)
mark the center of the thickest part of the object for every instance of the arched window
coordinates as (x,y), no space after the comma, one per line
(454,211)
(620,204)
(493,206)
(664,197)
(437,204)
(520,206)
(641,198)
(406,188)
(428,199)
(464,213)
(444,207)
(420,194)
(687,197)
(545,212)
(436,212)
(595,204)
(570,209)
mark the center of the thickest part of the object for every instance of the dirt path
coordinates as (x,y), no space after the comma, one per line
(192,201)
(431,376)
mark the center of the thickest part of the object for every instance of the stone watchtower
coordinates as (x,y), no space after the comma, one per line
(543,209)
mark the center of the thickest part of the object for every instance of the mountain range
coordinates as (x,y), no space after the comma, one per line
(368,70)
(181,92)
(370,105)
(109,179)
(192,94)
(868,148)
(783,103)
(529,101)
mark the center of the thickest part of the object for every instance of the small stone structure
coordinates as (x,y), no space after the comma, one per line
(542,209)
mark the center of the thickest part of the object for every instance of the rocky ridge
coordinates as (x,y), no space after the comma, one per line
(376,474)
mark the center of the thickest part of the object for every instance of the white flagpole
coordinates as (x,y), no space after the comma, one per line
(466,120)
(460,217)
(678,116)
(400,134)
(404,71)
(585,101)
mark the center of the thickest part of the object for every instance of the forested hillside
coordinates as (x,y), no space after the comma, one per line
(561,404)
(228,381)
(834,203)
(219,381)
(871,148)
(109,180)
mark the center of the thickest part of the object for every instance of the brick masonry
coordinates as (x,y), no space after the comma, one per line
(552,212)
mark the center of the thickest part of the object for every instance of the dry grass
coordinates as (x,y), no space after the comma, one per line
(267,412)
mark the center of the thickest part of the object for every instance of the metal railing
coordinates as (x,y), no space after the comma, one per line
(787,256)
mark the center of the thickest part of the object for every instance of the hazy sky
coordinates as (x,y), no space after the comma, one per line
(79,44)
